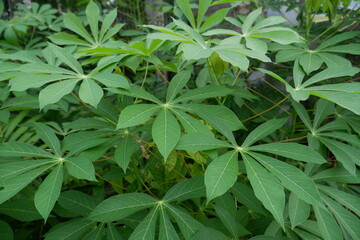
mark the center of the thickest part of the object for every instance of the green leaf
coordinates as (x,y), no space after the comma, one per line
(267,188)
(5,229)
(112,233)
(19,149)
(250,19)
(209,234)
(298,74)
(187,189)
(90,92)
(107,22)
(49,191)
(256,45)
(230,223)
(12,169)
(350,201)
(221,174)
(338,38)
(166,132)
(337,174)
(146,229)
(345,157)
(203,7)
(54,92)
(198,142)
(214,19)
(137,93)
(184,5)
(67,39)
(195,51)
(111,80)
(14,185)
(192,125)
(188,225)
(80,168)
(310,62)
(323,109)
(292,178)
(245,195)
(299,211)
(176,84)
(124,151)
(351,48)
(66,58)
(329,229)
(21,210)
(166,229)
(209,91)
(72,230)
(291,150)
(348,220)
(73,23)
(47,134)
(136,114)
(23,81)
(77,202)
(120,206)
(92,15)
(263,130)
(234,58)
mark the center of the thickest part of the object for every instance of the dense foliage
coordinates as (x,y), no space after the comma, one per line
(215,126)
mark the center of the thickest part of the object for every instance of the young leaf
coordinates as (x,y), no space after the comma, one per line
(49,191)
(48,136)
(120,206)
(221,174)
(135,114)
(329,228)
(80,168)
(176,84)
(299,210)
(292,178)
(190,188)
(263,130)
(166,132)
(267,188)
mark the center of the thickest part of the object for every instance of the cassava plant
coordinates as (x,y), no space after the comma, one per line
(165,135)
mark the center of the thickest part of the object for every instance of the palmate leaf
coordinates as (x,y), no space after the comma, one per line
(190,188)
(292,178)
(49,191)
(48,136)
(267,188)
(192,125)
(136,114)
(166,132)
(176,84)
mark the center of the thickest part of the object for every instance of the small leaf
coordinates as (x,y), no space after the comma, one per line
(120,206)
(166,132)
(80,168)
(136,114)
(221,174)
(49,191)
